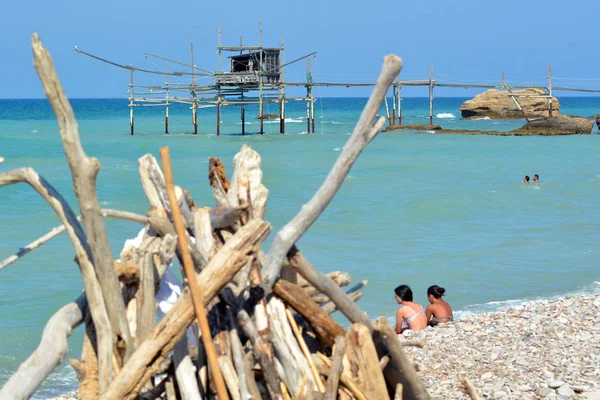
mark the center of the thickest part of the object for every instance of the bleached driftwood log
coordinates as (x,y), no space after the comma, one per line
(331,388)
(362,364)
(261,351)
(322,323)
(328,287)
(470,388)
(287,349)
(247,383)
(49,354)
(185,372)
(362,135)
(54,232)
(399,369)
(84,171)
(147,358)
(246,183)
(84,258)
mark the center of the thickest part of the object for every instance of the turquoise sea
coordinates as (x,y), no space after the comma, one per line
(417,208)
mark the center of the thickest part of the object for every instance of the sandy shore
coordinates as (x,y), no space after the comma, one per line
(542,350)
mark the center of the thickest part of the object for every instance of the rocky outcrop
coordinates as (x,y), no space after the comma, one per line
(413,127)
(497,104)
(597,121)
(559,125)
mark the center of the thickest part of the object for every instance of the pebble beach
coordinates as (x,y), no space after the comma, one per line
(540,350)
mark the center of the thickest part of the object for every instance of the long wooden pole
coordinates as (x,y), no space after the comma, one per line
(188,267)
(131,101)
(167,99)
(550,90)
(431,95)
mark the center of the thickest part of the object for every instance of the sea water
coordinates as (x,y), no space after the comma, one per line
(417,208)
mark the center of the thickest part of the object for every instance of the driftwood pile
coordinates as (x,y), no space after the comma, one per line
(247,325)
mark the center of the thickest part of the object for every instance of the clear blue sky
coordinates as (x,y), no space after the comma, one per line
(467,41)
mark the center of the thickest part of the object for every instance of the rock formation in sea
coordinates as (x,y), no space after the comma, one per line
(558,125)
(497,104)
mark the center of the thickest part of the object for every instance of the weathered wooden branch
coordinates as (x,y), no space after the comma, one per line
(362,363)
(305,350)
(470,388)
(413,386)
(54,232)
(287,349)
(148,357)
(322,323)
(84,258)
(197,294)
(329,288)
(363,133)
(84,171)
(330,307)
(49,354)
(338,277)
(261,350)
(185,372)
(146,304)
(238,360)
(224,217)
(324,365)
(331,388)
(246,183)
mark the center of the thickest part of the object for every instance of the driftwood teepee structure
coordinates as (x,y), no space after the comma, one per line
(247,325)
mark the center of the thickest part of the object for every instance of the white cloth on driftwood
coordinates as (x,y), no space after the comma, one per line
(170,287)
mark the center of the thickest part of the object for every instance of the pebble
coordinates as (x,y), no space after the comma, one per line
(566,390)
(555,384)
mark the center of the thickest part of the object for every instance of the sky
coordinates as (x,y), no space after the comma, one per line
(466,41)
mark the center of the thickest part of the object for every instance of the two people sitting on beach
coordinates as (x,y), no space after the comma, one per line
(536,179)
(414,316)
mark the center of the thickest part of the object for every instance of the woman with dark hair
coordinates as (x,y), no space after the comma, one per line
(438,311)
(409,313)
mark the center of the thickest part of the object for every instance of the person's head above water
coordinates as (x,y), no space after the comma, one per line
(536,178)
(404,292)
(526,179)
(436,291)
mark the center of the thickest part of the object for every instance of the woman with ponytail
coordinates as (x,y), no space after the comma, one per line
(438,311)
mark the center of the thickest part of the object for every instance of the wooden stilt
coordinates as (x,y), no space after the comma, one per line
(194,101)
(550,90)
(387,110)
(260,83)
(431,95)
(281,117)
(195,116)
(307,110)
(243,115)
(399,101)
(167,100)
(312,99)
(219,117)
(394,99)
(281,92)
(131,101)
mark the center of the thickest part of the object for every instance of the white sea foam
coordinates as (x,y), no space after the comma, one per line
(481,119)
(493,306)
(445,115)
(337,149)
